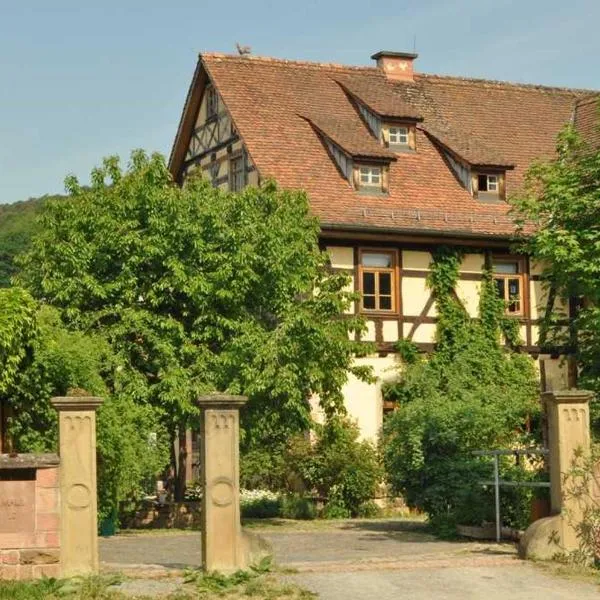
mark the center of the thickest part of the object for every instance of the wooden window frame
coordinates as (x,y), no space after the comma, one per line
(212,102)
(521,275)
(242,172)
(370,168)
(406,134)
(497,195)
(394,284)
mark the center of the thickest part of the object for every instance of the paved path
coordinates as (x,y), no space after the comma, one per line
(518,582)
(365,560)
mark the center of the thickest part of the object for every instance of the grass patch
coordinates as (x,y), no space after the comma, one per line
(286,525)
(77,588)
(255,584)
(573,571)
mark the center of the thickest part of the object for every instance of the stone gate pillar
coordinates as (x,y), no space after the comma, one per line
(223,547)
(568,431)
(568,415)
(77,448)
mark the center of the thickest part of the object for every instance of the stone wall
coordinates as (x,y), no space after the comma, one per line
(29,516)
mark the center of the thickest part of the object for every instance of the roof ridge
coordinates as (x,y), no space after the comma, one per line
(591,99)
(458,80)
(288,62)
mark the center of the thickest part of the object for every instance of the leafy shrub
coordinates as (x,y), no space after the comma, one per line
(262,468)
(259,504)
(344,469)
(471,394)
(336,507)
(369,510)
(297,506)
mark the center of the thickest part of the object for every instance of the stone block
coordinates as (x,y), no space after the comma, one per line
(9,572)
(47,522)
(51,539)
(47,478)
(17,540)
(46,499)
(25,572)
(541,539)
(40,556)
(38,571)
(9,557)
(17,506)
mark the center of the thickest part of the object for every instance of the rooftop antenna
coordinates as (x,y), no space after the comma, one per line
(243,49)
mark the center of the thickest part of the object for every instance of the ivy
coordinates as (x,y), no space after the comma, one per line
(472,393)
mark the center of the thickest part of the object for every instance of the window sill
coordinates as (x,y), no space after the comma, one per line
(402,149)
(378,313)
(490,198)
(364,191)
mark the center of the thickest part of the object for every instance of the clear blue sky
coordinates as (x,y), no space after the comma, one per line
(80,79)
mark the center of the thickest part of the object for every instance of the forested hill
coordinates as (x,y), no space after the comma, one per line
(17,226)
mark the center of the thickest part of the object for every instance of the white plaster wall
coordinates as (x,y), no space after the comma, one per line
(364,401)
(341,257)
(369,334)
(415,259)
(425,333)
(468,293)
(472,263)
(390,331)
(415,294)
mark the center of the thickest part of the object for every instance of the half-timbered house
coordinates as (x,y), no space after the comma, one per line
(395,163)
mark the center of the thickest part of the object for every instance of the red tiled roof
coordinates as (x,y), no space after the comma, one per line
(485,122)
(470,149)
(349,134)
(382,98)
(587,120)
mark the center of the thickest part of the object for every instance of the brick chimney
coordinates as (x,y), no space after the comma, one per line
(397,66)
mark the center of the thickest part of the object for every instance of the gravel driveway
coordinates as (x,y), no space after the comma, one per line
(382,560)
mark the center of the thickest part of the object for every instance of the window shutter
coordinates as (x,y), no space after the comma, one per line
(385,135)
(501,187)
(356,178)
(474,185)
(385,179)
(412,138)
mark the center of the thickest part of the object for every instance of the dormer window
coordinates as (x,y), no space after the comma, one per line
(488,186)
(370,176)
(487,183)
(399,136)
(371,179)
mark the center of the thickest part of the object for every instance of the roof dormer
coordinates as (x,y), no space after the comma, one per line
(359,158)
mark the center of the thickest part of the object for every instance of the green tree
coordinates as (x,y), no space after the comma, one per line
(558,208)
(18,224)
(198,290)
(40,358)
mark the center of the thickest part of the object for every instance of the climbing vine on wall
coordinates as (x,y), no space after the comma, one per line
(475,391)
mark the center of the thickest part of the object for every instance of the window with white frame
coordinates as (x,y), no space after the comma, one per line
(488,183)
(399,136)
(370,176)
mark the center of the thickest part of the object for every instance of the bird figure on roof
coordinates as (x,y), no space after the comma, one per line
(243,49)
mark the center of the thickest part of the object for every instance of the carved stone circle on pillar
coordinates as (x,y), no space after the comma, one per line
(77,449)
(223,547)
